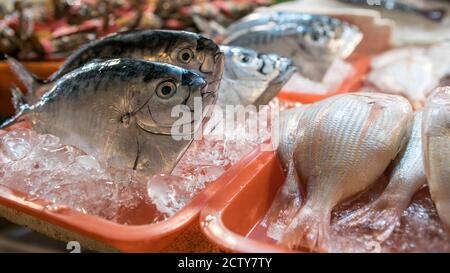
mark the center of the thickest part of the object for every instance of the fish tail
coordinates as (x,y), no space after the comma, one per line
(309,229)
(31,82)
(20,104)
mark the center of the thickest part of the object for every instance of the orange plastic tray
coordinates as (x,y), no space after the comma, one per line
(231,220)
(129,238)
(352,83)
(7,78)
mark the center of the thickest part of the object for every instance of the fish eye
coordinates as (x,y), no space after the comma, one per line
(185,55)
(166,90)
(245,59)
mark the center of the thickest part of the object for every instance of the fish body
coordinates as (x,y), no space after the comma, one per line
(252,78)
(119,110)
(313,42)
(184,49)
(436,150)
(344,144)
(412,72)
(402,6)
(407,177)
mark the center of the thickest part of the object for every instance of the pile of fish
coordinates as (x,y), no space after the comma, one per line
(339,147)
(124,88)
(48,30)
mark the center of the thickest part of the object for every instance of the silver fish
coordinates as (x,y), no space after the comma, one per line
(184,49)
(403,6)
(119,110)
(313,42)
(252,78)
(344,143)
(436,150)
(407,177)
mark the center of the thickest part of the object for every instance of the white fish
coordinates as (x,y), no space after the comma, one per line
(344,143)
(436,150)
(411,76)
(408,176)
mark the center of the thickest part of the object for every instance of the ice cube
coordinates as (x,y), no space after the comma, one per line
(169,193)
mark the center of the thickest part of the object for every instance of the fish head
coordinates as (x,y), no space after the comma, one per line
(322,42)
(191,51)
(260,76)
(330,36)
(171,97)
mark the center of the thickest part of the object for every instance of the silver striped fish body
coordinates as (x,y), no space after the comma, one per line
(436,149)
(344,144)
(120,111)
(313,42)
(408,174)
(341,135)
(252,78)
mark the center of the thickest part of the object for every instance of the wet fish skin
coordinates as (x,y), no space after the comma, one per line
(252,78)
(406,178)
(119,110)
(403,6)
(338,138)
(313,42)
(165,46)
(436,150)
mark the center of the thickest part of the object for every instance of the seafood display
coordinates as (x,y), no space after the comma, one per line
(339,136)
(159,107)
(313,42)
(436,143)
(49,30)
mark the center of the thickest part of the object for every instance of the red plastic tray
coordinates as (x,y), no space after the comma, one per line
(231,220)
(352,83)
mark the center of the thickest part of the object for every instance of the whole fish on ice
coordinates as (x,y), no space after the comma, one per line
(313,42)
(406,178)
(184,49)
(343,144)
(119,110)
(436,150)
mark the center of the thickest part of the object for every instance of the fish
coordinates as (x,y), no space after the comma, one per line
(313,42)
(436,150)
(407,177)
(184,49)
(252,78)
(435,14)
(413,72)
(408,72)
(119,110)
(344,143)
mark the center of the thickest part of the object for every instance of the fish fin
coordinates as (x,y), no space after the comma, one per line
(309,229)
(20,104)
(380,217)
(30,80)
(18,99)
(285,206)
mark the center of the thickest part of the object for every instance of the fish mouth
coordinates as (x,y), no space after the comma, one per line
(350,39)
(287,68)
